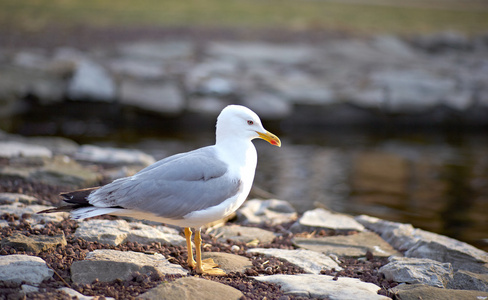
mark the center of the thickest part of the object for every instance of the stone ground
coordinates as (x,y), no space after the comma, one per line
(60,260)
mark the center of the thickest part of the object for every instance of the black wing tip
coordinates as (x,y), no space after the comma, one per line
(78,196)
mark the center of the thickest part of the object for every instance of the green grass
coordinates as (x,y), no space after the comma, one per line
(361,16)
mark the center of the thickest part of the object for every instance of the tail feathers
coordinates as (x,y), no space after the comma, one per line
(66,208)
(78,196)
(91,211)
(80,212)
(81,208)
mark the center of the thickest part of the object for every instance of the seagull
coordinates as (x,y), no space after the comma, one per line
(188,189)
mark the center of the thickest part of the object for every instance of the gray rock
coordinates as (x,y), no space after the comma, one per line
(18,82)
(108,265)
(91,82)
(262,52)
(323,219)
(354,245)
(229,262)
(418,291)
(11,149)
(303,89)
(400,236)
(17,268)
(138,69)
(30,59)
(109,155)
(9,198)
(423,244)
(164,98)
(64,172)
(72,293)
(213,77)
(267,105)
(237,233)
(206,105)
(34,243)
(324,287)
(119,231)
(394,46)
(412,90)
(57,145)
(444,249)
(310,261)
(58,171)
(30,211)
(193,288)
(145,234)
(417,270)
(217,85)
(271,211)
(155,52)
(29,289)
(465,280)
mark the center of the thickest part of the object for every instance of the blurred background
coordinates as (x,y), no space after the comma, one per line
(382,105)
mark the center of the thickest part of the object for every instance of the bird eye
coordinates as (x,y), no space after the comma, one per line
(249,122)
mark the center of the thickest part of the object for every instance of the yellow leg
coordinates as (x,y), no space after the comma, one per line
(208,266)
(191,262)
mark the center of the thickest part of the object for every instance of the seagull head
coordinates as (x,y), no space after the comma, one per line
(236,121)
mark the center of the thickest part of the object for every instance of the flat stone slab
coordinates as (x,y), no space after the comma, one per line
(465,280)
(108,265)
(324,286)
(56,171)
(310,261)
(419,291)
(320,218)
(192,288)
(266,211)
(17,268)
(34,243)
(354,245)
(109,155)
(243,234)
(10,149)
(229,262)
(115,232)
(418,270)
(8,198)
(19,209)
(423,244)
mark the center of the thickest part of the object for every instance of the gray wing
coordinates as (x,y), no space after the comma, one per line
(172,187)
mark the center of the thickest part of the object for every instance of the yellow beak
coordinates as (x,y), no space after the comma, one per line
(270,138)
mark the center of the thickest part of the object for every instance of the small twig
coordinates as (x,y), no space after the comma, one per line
(62,279)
